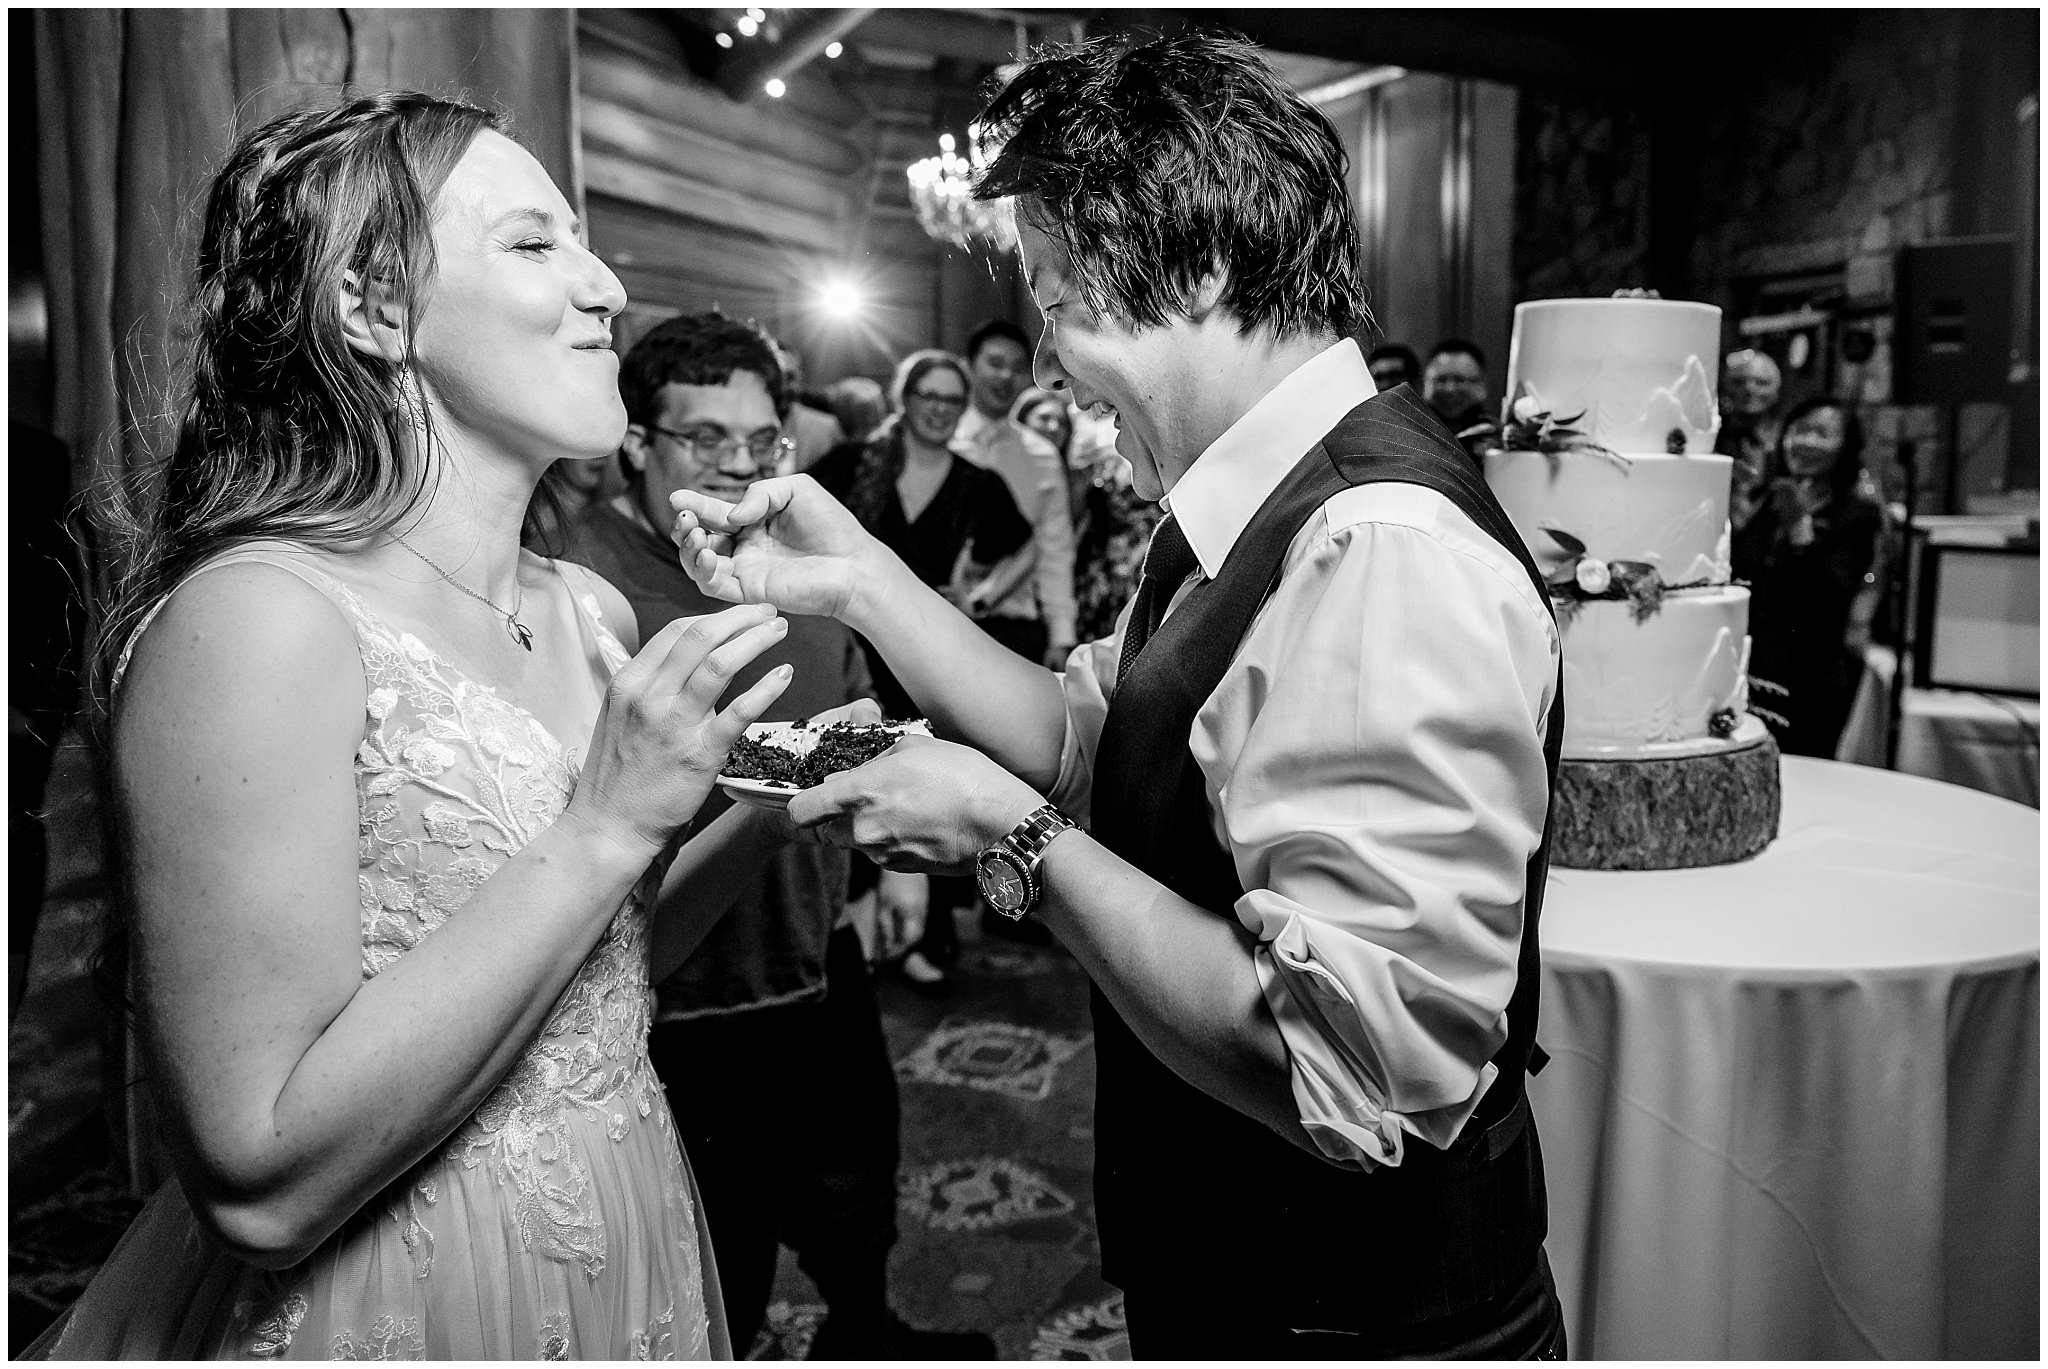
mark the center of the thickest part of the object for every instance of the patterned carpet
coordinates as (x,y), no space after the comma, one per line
(997,1227)
(998,1232)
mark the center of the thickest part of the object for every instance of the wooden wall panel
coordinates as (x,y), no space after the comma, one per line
(629,133)
(696,199)
(623,177)
(612,68)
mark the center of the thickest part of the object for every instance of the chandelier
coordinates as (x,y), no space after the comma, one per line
(946,207)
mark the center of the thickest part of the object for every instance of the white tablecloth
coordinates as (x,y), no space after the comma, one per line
(1793,1106)
(1990,742)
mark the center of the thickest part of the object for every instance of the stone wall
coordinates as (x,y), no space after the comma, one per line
(1832,159)
(1836,157)
(1843,143)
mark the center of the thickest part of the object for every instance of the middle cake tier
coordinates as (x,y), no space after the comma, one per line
(1669,512)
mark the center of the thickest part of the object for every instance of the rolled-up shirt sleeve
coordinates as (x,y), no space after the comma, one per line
(1375,760)
(1086,683)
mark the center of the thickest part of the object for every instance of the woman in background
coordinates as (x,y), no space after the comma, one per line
(1808,551)
(950,521)
(396,802)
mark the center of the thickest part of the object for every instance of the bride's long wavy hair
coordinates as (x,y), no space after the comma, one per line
(284,431)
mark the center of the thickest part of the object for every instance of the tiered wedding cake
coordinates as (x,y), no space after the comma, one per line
(1610,476)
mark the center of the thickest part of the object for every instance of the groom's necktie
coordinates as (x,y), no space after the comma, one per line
(1168,561)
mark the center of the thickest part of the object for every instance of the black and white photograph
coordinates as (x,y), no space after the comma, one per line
(1265,684)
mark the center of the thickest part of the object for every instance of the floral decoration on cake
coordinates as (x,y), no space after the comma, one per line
(1529,427)
(1582,576)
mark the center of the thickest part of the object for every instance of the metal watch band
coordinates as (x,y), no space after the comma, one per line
(1029,838)
(1020,848)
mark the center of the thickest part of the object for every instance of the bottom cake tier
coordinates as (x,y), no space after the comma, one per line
(1667,813)
(1635,683)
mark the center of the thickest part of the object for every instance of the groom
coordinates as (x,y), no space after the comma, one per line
(1311,770)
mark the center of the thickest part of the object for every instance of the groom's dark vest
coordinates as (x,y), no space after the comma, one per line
(1194,1199)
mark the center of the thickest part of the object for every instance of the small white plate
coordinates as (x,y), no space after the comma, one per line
(759,793)
(775,793)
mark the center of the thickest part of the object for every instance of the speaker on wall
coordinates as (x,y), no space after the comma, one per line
(1952,338)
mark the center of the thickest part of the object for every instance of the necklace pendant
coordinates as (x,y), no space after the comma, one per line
(521,633)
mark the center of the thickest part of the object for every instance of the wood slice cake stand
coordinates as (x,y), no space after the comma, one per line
(1650,813)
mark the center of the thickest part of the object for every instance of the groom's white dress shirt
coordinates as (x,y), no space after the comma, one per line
(1373,760)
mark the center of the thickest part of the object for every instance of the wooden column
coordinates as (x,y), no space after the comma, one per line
(1433,178)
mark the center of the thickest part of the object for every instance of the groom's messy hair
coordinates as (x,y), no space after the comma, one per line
(1153,164)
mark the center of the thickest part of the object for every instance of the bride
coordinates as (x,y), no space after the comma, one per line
(397,801)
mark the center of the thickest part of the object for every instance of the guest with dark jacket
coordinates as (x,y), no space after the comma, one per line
(1807,551)
(951,522)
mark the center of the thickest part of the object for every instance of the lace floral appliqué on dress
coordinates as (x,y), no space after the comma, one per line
(513,1227)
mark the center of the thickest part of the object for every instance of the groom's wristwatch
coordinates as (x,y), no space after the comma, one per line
(1008,871)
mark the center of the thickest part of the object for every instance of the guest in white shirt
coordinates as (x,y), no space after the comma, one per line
(1027,602)
(1314,762)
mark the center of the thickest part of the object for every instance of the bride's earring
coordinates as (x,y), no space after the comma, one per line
(411,403)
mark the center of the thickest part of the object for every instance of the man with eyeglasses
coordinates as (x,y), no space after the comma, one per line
(768,1038)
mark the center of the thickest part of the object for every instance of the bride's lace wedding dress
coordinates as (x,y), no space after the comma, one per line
(560,1221)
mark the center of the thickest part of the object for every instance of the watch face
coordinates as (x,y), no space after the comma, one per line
(1002,883)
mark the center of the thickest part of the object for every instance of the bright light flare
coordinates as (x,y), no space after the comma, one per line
(834,49)
(842,299)
(748,25)
(725,40)
(775,88)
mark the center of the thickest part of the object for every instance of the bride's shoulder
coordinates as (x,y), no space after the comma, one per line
(263,622)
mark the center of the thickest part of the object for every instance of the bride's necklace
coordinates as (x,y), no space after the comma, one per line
(520,632)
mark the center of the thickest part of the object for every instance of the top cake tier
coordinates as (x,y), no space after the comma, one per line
(1641,371)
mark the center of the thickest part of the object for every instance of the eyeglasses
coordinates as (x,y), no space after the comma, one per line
(938,401)
(764,449)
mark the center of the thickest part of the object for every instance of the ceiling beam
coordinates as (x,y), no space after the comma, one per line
(1344,87)
(942,33)
(1611,52)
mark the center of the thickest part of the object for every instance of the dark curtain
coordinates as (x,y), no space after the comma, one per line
(139,106)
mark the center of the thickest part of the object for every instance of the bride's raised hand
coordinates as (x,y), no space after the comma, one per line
(786,542)
(661,738)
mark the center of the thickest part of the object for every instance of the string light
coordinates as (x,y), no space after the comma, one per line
(775,88)
(758,15)
(725,40)
(747,26)
(834,49)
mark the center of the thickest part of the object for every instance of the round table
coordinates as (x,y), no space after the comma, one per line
(1793,1104)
